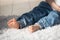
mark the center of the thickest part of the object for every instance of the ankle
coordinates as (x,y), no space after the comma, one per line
(37,25)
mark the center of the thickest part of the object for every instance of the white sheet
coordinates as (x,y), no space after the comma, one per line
(23,34)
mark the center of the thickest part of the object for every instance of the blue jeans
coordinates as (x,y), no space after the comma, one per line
(34,16)
(52,19)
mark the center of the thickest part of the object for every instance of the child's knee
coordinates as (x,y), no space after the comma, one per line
(53,14)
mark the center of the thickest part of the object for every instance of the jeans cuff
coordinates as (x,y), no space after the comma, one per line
(42,24)
(20,25)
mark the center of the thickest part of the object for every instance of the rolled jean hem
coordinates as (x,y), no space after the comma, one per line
(20,25)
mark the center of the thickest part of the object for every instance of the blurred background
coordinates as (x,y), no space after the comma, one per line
(14,8)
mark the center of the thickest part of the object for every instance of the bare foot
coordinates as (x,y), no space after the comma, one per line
(13,23)
(33,28)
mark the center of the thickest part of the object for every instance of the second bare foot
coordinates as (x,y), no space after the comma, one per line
(33,28)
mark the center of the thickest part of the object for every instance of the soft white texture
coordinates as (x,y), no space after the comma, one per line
(57,2)
(23,34)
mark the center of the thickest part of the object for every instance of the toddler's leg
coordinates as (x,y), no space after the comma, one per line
(34,15)
(50,20)
(45,22)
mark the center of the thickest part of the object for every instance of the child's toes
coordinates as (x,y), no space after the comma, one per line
(31,28)
(10,21)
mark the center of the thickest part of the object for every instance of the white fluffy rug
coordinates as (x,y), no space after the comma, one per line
(23,34)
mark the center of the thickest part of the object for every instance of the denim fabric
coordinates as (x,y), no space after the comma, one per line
(50,20)
(40,11)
